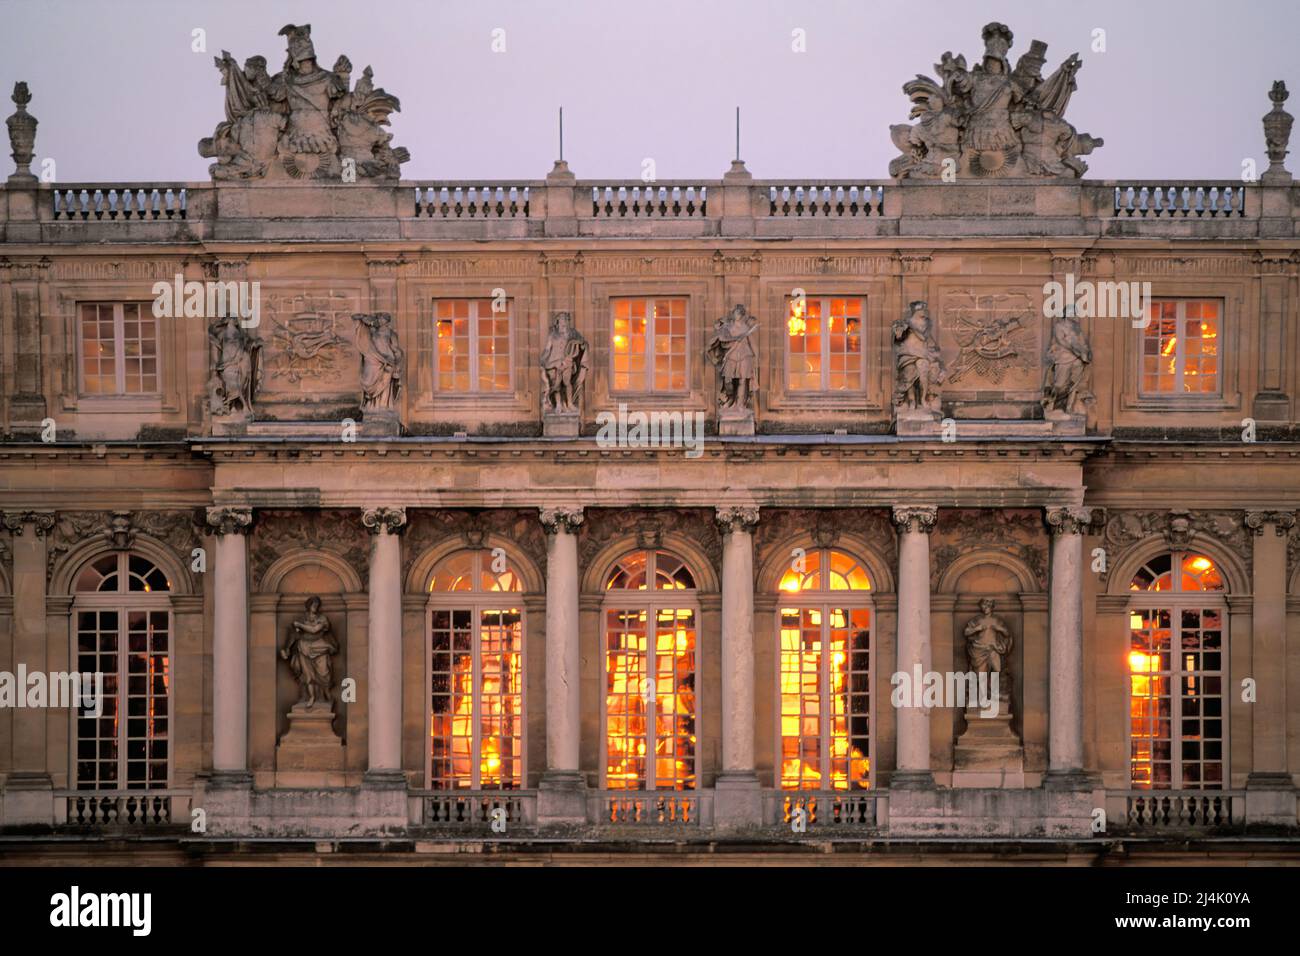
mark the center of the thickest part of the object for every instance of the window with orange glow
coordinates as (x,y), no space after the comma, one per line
(824,345)
(476,674)
(119,349)
(1177,651)
(650,639)
(123,630)
(648,345)
(1180,348)
(473,346)
(824,674)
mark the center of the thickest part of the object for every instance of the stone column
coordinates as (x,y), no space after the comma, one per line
(384,680)
(1270,796)
(230,526)
(737,800)
(1065,650)
(27,797)
(560,789)
(914,525)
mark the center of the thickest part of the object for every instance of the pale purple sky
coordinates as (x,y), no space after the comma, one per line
(121,96)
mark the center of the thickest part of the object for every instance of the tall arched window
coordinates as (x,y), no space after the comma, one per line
(650,666)
(824,673)
(476,673)
(122,630)
(1177,653)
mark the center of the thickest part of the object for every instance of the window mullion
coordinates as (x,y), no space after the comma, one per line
(473,346)
(476,703)
(824,308)
(119,347)
(824,692)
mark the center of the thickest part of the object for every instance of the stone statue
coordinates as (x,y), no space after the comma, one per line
(565,366)
(1065,378)
(381,361)
(992,121)
(304,122)
(988,642)
(308,648)
(919,367)
(236,368)
(1277,133)
(732,354)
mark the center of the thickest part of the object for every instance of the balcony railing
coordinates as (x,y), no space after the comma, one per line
(826,810)
(475,810)
(825,200)
(1148,200)
(122,808)
(465,201)
(651,809)
(90,201)
(638,200)
(1184,809)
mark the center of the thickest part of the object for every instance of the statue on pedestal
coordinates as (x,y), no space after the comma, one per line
(308,648)
(732,354)
(1065,379)
(918,364)
(564,365)
(381,361)
(988,642)
(236,368)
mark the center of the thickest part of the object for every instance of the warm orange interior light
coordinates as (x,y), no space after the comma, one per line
(796,324)
(1135,621)
(1199,564)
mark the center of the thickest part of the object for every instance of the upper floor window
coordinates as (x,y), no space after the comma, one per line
(824,345)
(122,630)
(648,345)
(473,346)
(119,349)
(1180,348)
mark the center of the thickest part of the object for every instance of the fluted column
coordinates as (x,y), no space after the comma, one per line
(230,527)
(563,713)
(736,525)
(384,614)
(914,525)
(1065,649)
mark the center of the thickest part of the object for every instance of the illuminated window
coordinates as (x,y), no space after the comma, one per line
(476,674)
(119,349)
(648,345)
(1180,348)
(824,345)
(473,346)
(824,673)
(122,616)
(650,666)
(1177,649)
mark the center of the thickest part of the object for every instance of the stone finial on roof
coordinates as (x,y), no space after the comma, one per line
(22,135)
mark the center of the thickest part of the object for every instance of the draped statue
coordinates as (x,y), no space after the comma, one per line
(564,364)
(235,368)
(309,645)
(381,361)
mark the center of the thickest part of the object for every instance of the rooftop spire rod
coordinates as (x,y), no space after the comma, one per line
(737,134)
(561,134)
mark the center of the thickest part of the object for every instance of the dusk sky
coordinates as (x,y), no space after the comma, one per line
(120,95)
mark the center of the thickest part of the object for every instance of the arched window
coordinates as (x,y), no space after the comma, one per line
(824,673)
(476,673)
(650,636)
(1177,653)
(122,630)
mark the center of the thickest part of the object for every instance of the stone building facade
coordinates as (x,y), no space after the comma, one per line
(545,601)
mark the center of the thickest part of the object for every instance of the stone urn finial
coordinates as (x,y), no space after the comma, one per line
(22,135)
(1277,133)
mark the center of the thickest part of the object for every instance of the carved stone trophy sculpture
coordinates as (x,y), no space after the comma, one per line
(988,753)
(310,754)
(306,122)
(565,365)
(992,122)
(919,368)
(382,357)
(308,648)
(731,350)
(1069,358)
(236,368)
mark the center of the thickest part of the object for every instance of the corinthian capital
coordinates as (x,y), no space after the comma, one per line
(732,518)
(225,520)
(1282,521)
(42,522)
(384,520)
(1068,520)
(915,518)
(556,520)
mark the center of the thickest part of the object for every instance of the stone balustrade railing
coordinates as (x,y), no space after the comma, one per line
(122,808)
(87,201)
(1172,200)
(634,199)
(1184,809)
(820,198)
(472,200)
(826,810)
(439,808)
(679,808)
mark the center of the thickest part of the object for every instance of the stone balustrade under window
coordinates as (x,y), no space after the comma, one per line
(123,808)
(1184,809)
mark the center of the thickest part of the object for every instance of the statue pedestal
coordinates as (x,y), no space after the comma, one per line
(380,423)
(735,421)
(989,753)
(560,424)
(310,754)
(916,421)
(1066,423)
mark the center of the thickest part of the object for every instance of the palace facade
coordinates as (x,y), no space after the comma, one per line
(920,468)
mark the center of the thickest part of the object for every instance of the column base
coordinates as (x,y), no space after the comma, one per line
(737,800)
(226,799)
(27,799)
(562,797)
(384,780)
(1270,800)
(1072,780)
(911,780)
